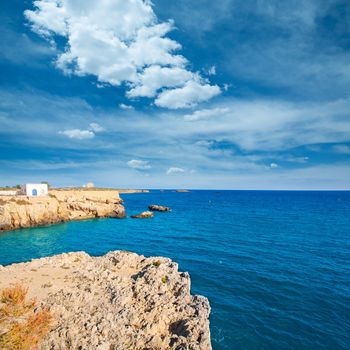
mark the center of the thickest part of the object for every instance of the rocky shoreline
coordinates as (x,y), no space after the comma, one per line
(115,302)
(60,206)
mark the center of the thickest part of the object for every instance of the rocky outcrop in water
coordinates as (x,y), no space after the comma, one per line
(59,206)
(154,207)
(119,301)
(143,215)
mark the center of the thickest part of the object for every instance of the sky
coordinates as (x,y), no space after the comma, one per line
(230,94)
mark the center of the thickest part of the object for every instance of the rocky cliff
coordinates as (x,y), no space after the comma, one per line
(59,206)
(119,301)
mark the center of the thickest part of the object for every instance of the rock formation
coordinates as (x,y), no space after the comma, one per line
(154,207)
(119,301)
(59,206)
(143,215)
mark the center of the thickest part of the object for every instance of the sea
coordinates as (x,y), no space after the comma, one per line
(275,265)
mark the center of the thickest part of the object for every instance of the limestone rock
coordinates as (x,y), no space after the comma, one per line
(154,207)
(119,301)
(59,206)
(143,215)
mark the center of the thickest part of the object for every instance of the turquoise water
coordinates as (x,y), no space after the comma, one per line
(274,265)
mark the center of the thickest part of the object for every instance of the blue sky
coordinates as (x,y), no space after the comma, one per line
(251,94)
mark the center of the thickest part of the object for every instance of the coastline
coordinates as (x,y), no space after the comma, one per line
(228,241)
(119,190)
(59,206)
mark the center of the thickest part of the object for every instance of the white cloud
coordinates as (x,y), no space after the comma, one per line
(205,114)
(175,170)
(139,164)
(156,77)
(192,93)
(125,107)
(259,132)
(274,165)
(121,41)
(81,134)
(268,125)
(212,70)
(48,18)
(78,134)
(251,125)
(96,127)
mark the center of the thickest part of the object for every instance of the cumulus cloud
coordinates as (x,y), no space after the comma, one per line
(189,95)
(121,41)
(81,134)
(156,77)
(273,165)
(78,134)
(175,170)
(205,114)
(139,164)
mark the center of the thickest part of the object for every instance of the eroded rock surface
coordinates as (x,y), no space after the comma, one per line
(59,206)
(154,207)
(143,215)
(116,302)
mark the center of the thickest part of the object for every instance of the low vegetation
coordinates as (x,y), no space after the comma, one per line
(14,200)
(22,324)
(20,201)
(9,188)
(156,263)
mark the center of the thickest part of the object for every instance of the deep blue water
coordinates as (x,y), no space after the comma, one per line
(274,265)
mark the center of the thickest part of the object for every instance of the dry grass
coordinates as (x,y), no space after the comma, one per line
(14,301)
(20,201)
(14,295)
(22,326)
(27,335)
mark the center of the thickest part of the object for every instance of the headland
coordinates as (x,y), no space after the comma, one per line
(59,206)
(118,301)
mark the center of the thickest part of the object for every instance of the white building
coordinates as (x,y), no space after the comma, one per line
(35,190)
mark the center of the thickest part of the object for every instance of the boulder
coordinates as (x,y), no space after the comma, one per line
(154,207)
(143,215)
